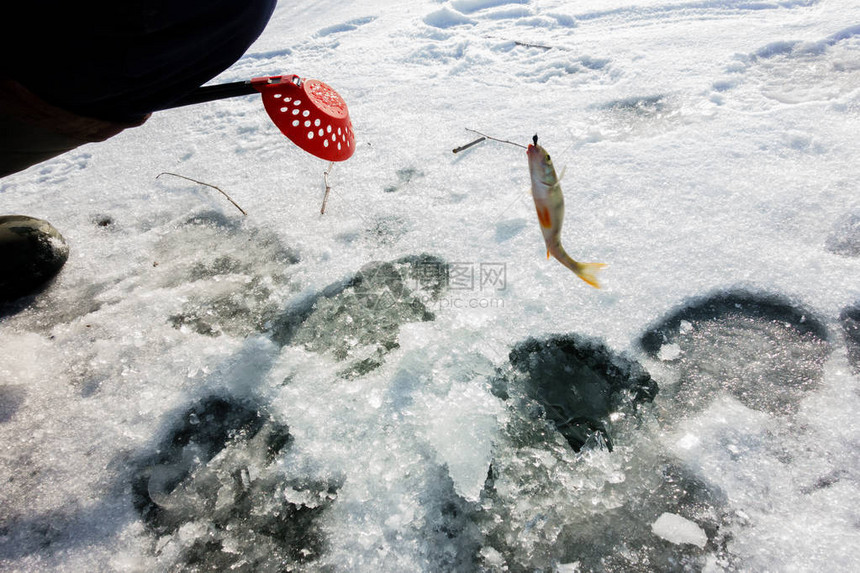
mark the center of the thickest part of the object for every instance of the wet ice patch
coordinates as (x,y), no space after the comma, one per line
(404,176)
(214,497)
(845,239)
(577,383)
(234,286)
(850,320)
(646,115)
(761,349)
(544,504)
(509,228)
(358,320)
(623,537)
(11,398)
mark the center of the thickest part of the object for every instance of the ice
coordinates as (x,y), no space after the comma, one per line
(406,383)
(678,530)
(466,415)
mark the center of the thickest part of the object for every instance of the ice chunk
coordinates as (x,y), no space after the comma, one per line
(669,352)
(679,530)
(462,430)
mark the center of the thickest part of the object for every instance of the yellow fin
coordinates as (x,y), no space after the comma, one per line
(588,272)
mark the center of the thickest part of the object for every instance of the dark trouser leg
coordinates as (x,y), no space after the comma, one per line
(23,144)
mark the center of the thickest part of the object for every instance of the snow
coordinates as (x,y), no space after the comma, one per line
(323,410)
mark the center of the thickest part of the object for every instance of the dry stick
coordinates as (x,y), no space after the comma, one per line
(327,187)
(206,184)
(468,145)
(528,45)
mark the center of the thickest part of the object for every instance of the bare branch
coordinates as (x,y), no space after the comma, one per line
(468,145)
(207,185)
(327,187)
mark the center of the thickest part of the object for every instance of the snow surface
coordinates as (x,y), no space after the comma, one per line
(202,390)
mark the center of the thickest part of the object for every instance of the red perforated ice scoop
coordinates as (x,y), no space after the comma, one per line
(310,113)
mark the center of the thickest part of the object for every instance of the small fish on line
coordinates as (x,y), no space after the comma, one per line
(549,203)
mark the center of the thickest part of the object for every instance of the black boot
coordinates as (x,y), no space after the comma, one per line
(32,252)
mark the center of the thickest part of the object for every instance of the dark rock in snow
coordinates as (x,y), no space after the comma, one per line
(759,348)
(32,252)
(578,382)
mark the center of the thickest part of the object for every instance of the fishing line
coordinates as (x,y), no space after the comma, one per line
(484,137)
(488,137)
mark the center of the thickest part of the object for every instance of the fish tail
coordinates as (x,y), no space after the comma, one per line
(585,271)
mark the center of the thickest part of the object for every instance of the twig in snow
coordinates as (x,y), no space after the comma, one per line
(528,45)
(207,185)
(468,145)
(327,187)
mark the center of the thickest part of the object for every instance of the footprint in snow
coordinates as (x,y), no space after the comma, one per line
(347,26)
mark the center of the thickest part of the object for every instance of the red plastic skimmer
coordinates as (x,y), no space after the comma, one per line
(310,113)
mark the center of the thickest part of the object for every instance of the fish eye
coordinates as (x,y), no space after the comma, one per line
(547,156)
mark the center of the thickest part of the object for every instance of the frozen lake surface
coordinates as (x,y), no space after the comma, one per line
(406,383)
